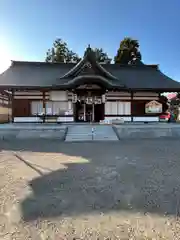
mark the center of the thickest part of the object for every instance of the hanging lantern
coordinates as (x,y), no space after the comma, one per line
(74,98)
(89,100)
(103,98)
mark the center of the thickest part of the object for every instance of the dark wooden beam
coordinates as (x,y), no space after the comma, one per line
(131,106)
(44,105)
(12,105)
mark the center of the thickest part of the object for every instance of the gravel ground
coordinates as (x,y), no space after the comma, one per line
(113,190)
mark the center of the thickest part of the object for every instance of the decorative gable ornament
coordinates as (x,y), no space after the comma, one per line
(86,69)
(74,98)
(88,64)
(153,107)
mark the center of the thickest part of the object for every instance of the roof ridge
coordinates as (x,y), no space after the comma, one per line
(156,66)
(14,62)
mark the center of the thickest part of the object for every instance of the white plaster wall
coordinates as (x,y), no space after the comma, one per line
(19,93)
(145,119)
(126,119)
(127,108)
(111,108)
(27,119)
(52,107)
(120,108)
(115,108)
(58,96)
(36,107)
(29,97)
(65,119)
(146,94)
(70,105)
(108,108)
(118,93)
(118,98)
(39,120)
(55,108)
(146,98)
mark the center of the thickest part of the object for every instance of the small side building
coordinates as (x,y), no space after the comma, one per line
(5,107)
(86,91)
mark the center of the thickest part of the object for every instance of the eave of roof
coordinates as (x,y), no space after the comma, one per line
(79,80)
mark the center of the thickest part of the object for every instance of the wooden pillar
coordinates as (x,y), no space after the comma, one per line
(12,105)
(44,106)
(93,112)
(74,111)
(9,108)
(131,106)
(84,112)
(159,95)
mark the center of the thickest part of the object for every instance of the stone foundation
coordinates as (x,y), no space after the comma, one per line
(147,131)
(13,131)
(123,131)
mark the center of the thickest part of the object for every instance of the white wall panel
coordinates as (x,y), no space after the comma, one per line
(49,108)
(146,94)
(117,98)
(36,107)
(29,97)
(145,119)
(27,119)
(146,98)
(70,105)
(114,108)
(118,93)
(58,96)
(120,108)
(107,107)
(127,108)
(65,119)
(126,119)
(56,108)
(18,93)
(124,108)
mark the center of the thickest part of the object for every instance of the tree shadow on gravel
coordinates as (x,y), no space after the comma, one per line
(131,175)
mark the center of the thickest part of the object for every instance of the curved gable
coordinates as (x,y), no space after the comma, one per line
(88,65)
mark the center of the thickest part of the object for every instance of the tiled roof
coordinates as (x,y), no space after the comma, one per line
(41,74)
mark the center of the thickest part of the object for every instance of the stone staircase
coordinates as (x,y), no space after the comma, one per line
(90,133)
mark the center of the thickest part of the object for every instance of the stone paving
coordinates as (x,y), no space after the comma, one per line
(107,190)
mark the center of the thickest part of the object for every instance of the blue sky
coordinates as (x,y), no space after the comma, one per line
(29,27)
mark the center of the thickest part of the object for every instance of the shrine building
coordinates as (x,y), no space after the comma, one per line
(87,91)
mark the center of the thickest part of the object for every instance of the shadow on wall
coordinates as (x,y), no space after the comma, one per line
(114,178)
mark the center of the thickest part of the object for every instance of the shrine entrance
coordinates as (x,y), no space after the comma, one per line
(89,112)
(88,105)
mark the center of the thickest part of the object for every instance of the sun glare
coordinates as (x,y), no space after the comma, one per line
(5,61)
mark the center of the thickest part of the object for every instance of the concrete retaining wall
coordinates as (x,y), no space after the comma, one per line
(146,131)
(124,131)
(14,132)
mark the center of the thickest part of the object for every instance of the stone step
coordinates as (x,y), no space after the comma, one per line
(90,133)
